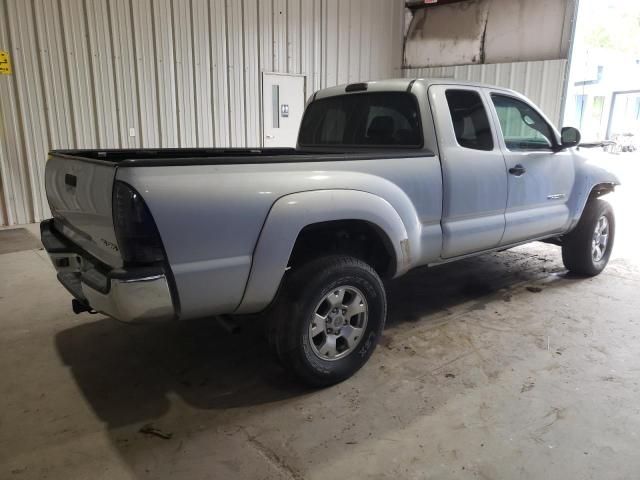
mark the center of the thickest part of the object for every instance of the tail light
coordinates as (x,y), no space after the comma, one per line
(136,232)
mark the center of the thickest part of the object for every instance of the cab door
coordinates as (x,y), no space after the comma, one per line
(473,170)
(540,177)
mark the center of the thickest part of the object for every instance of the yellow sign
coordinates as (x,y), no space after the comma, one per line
(5,63)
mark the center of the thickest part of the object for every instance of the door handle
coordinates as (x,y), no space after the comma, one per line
(270,137)
(518,170)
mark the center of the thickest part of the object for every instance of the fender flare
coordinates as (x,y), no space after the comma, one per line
(292,213)
(597,187)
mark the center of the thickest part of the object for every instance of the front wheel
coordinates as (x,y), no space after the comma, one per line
(586,250)
(328,319)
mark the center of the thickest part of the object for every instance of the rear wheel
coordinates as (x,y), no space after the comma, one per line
(328,319)
(586,250)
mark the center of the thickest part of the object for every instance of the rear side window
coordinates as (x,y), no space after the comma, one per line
(470,121)
(522,127)
(389,119)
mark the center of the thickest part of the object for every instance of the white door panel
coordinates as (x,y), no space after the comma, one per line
(282,109)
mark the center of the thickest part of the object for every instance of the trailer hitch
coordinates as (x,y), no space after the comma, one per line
(80,307)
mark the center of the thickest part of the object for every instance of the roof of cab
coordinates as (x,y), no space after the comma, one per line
(400,85)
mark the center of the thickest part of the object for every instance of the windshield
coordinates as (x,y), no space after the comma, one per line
(385,119)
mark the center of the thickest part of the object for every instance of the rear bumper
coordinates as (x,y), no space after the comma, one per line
(129,295)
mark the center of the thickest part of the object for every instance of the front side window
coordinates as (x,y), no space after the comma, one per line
(389,119)
(470,121)
(522,127)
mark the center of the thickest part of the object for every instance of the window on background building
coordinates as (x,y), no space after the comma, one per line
(581,101)
(597,109)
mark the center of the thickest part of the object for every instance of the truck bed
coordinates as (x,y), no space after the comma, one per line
(229,156)
(79,183)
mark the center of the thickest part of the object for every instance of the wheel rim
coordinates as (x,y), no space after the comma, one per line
(338,324)
(600,239)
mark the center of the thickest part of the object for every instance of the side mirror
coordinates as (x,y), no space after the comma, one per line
(570,137)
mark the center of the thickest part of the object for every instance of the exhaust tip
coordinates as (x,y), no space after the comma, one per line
(80,307)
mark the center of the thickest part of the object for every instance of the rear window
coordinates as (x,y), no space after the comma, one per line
(387,119)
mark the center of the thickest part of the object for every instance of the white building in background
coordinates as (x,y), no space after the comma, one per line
(603,95)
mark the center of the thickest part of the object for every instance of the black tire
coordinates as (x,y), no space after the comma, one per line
(295,308)
(577,254)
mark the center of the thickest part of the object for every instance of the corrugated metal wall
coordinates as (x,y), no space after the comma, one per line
(179,72)
(542,82)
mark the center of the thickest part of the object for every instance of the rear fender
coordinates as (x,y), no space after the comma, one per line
(292,213)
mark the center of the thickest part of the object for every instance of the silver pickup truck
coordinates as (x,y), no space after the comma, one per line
(387,176)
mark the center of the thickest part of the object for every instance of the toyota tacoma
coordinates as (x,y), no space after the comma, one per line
(386,176)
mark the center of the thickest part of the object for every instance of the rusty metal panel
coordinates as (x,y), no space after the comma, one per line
(519,30)
(447,35)
(489,31)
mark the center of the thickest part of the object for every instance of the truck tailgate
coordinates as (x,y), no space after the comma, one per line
(79,191)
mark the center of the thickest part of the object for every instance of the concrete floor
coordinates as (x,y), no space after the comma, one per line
(479,375)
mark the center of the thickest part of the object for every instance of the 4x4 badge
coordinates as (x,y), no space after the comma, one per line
(109,244)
